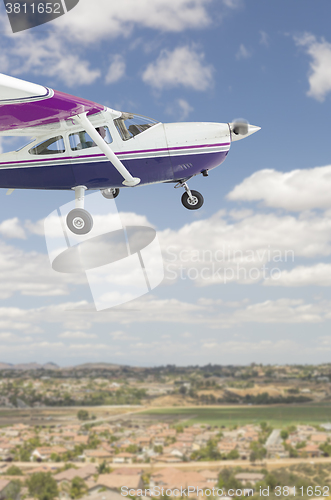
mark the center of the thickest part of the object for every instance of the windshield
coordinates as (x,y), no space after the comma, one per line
(129,125)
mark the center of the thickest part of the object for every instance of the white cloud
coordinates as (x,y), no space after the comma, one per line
(184,66)
(279,311)
(44,56)
(320,65)
(30,273)
(315,275)
(297,190)
(12,228)
(180,110)
(120,335)
(247,250)
(113,19)
(116,69)
(243,52)
(264,38)
(77,335)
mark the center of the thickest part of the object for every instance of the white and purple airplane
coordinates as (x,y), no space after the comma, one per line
(81,145)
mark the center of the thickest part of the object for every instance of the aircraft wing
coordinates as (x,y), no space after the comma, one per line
(24,104)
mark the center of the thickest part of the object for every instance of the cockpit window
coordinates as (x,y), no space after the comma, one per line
(52,146)
(129,125)
(81,140)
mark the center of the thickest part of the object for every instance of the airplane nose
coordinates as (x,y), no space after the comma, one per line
(240,130)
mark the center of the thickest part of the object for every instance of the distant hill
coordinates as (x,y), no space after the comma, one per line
(29,366)
(4,366)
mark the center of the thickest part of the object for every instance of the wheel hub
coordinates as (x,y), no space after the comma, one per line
(192,201)
(78,222)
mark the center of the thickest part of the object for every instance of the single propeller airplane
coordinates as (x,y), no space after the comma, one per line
(82,145)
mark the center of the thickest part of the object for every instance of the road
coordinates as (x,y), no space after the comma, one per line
(267,464)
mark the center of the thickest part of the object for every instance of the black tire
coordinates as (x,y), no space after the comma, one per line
(109,194)
(79,221)
(194,204)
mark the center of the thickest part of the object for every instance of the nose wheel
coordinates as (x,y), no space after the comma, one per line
(192,200)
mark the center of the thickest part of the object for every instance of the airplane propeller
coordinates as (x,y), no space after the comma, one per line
(240,126)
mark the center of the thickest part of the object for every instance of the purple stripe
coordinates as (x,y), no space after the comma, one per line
(176,148)
(117,153)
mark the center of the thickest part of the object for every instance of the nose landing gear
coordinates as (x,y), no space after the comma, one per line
(192,200)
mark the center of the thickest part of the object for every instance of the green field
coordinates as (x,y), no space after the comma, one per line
(276,415)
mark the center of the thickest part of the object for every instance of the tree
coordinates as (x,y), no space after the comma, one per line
(233,455)
(258,451)
(42,485)
(12,492)
(325,447)
(14,471)
(104,468)
(82,415)
(284,434)
(78,488)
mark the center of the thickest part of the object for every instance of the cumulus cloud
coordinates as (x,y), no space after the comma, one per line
(77,31)
(44,56)
(320,65)
(314,275)
(12,228)
(296,190)
(220,249)
(30,273)
(114,19)
(243,52)
(180,110)
(77,335)
(116,69)
(184,66)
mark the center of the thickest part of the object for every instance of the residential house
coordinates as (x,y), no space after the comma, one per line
(249,477)
(274,445)
(67,476)
(99,455)
(116,481)
(123,458)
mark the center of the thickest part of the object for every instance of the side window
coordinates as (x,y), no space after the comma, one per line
(81,140)
(50,147)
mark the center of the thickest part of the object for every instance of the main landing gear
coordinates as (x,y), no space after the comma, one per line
(190,199)
(79,221)
(110,193)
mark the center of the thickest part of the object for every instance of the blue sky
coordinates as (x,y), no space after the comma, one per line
(181,60)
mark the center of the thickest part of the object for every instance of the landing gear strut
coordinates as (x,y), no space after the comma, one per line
(79,221)
(191,199)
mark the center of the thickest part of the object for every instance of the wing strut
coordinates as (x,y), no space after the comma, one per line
(96,137)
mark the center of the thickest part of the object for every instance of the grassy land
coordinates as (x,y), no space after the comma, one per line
(276,415)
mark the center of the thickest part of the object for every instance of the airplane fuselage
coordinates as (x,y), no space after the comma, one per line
(161,153)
